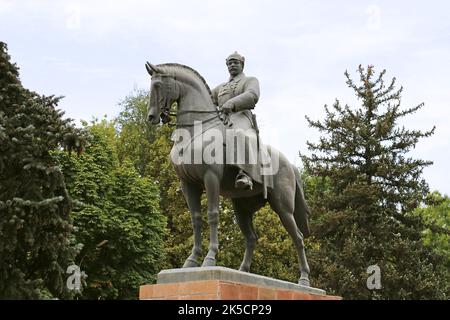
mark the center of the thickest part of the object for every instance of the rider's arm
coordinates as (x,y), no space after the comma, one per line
(249,98)
(214,94)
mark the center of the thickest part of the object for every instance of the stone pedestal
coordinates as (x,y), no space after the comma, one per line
(219,283)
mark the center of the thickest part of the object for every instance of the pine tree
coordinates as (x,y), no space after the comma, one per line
(366,186)
(35,225)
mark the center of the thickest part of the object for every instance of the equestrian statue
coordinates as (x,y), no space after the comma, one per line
(204,156)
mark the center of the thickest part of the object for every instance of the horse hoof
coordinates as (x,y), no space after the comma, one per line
(190,263)
(304,282)
(209,262)
(244,268)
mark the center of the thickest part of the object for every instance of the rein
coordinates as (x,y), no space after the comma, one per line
(192,124)
(168,113)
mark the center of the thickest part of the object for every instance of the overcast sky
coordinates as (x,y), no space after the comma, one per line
(93,52)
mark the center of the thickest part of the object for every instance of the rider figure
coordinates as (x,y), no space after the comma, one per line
(236,98)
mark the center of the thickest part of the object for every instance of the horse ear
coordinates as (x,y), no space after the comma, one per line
(149,68)
(152,68)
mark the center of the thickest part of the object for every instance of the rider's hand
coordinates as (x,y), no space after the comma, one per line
(227,107)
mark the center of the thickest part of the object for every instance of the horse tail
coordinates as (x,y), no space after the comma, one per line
(301,211)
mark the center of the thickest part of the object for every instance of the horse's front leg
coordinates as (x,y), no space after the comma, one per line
(192,194)
(212,187)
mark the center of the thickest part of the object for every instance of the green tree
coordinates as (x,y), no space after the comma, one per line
(118,219)
(35,224)
(147,146)
(136,134)
(367,185)
(178,243)
(436,215)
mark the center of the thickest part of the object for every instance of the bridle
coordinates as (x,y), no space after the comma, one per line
(167,112)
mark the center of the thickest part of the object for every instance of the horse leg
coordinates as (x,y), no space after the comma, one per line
(244,217)
(212,187)
(288,221)
(283,203)
(192,194)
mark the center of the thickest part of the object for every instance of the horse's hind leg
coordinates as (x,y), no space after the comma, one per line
(244,217)
(285,212)
(192,194)
(287,219)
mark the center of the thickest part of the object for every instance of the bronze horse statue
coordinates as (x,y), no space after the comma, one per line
(181,84)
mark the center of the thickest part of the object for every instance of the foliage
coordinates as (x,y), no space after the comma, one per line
(436,215)
(136,134)
(35,224)
(118,221)
(362,187)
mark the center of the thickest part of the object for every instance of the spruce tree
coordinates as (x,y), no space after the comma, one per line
(35,226)
(367,185)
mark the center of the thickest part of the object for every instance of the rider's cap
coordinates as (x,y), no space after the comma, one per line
(235,56)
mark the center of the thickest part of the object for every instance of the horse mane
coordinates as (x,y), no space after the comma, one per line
(195,73)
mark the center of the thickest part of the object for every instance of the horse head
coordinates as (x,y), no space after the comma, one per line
(164,91)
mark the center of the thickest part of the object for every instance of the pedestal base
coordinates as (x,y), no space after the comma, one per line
(219,283)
